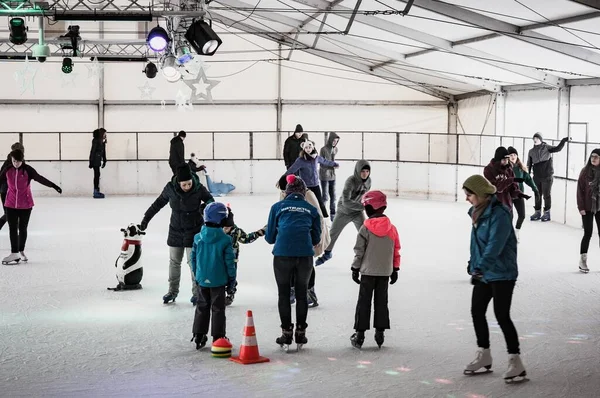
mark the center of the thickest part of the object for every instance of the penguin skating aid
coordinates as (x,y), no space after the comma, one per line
(129,264)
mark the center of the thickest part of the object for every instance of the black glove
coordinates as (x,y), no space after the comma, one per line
(355,276)
(566,139)
(260,232)
(524,196)
(58,189)
(202,168)
(104,164)
(394,277)
(476,278)
(519,180)
(90,166)
(231,287)
(144,224)
(468,266)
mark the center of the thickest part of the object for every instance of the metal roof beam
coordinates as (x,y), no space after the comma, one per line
(508,29)
(590,3)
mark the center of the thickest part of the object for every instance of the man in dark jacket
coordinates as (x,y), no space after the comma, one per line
(187,198)
(327,174)
(291,148)
(177,152)
(98,159)
(540,162)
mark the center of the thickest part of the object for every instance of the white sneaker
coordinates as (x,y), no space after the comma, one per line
(24,257)
(583,264)
(483,360)
(516,371)
(12,259)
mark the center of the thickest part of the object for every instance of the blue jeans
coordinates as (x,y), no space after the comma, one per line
(328,192)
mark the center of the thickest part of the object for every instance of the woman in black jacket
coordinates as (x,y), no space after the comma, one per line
(187,198)
(98,159)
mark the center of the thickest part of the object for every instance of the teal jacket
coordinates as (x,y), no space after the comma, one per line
(212,258)
(519,173)
(494,244)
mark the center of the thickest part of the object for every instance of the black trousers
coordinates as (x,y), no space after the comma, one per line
(18,220)
(588,228)
(544,186)
(317,191)
(285,268)
(211,300)
(502,293)
(328,192)
(372,286)
(520,207)
(96,178)
(311,281)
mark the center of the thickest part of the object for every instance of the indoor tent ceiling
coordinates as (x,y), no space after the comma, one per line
(440,48)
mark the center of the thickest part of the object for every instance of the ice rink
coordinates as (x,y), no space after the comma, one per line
(62,334)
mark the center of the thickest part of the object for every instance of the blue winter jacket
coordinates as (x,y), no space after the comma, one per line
(308,169)
(294,227)
(212,258)
(494,244)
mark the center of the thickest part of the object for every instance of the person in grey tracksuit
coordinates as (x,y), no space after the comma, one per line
(349,208)
(327,174)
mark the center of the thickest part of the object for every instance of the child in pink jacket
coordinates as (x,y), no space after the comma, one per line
(19,202)
(377,259)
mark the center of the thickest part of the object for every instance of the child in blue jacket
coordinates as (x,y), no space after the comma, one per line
(213,265)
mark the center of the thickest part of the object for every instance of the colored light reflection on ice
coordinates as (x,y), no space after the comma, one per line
(403,369)
(391,372)
(361,367)
(425,382)
(364,362)
(443,381)
(332,359)
(476,396)
(575,342)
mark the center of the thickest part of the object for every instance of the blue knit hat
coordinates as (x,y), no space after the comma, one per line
(215,213)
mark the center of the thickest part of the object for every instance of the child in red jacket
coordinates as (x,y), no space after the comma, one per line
(377,258)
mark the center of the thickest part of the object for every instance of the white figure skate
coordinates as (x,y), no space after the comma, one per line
(583,264)
(12,259)
(483,360)
(24,257)
(516,371)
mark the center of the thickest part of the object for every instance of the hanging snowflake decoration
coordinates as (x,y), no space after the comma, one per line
(94,70)
(25,77)
(182,102)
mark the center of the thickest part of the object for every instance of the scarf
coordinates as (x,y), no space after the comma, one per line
(479,209)
(595,188)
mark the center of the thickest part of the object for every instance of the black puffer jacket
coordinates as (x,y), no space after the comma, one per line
(186,211)
(98,151)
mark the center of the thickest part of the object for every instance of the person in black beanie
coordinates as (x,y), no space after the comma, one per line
(521,176)
(187,198)
(500,173)
(177,151)
(98,159)
(291,148)
(539,161)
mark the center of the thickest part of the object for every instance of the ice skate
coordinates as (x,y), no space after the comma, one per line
(516,371)
(379,337)
(483,360)
(300,337)
(229,300)
(293,295)
(286,338)
(312,298)
(23,257)
(169,297)
(12,259)
(98,195)
(536,216)
(357,339)
(325,257)
(546,216)
(583,264)
(200,339)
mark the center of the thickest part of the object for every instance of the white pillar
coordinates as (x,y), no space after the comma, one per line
(500,113)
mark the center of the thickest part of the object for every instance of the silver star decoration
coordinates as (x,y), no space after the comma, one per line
(25,77)
(94,70)
(181,102)
(68,79)
(146,91)
(201,86)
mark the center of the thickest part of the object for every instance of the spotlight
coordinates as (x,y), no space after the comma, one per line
(67,65)
(150,70)
(70,40)
(183,53)
(202,38)
(18,31)
(157,39)
(169,69)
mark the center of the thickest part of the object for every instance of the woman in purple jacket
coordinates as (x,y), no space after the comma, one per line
(306,167)
(19,203)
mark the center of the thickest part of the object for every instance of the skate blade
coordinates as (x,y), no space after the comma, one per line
(11,262)
(476,372)
(168,301)
(584,271)
(522,378)
(285,347)
(299,347)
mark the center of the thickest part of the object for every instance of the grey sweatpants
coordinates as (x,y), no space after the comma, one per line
(175,258)
(340,221)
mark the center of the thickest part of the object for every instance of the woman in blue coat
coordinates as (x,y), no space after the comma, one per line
(494,271)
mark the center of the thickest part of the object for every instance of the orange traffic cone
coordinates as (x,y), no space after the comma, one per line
(249,348)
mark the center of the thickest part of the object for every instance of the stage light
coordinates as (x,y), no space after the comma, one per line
(183,53)
(67,65)
(158,39)
(202,38)
(150,70)
(170,69)
(18,31)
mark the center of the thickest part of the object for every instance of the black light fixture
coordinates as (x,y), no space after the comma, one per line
(150,70)
(71,39)
(202,38)
(67,65)
(18,31)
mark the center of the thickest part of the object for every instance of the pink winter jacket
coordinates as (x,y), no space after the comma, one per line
(19,186)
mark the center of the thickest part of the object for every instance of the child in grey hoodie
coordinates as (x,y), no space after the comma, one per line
(327,174)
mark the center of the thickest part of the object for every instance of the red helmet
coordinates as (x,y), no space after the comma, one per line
(376,199)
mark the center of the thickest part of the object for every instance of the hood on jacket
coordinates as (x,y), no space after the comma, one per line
(359,166)
(98,133)
(211,234)
(331,138)
(380,226)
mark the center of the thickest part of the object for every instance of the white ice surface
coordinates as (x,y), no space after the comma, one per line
(63,334)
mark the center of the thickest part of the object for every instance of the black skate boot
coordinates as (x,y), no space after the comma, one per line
(536,216)
(229,300)
(286,338)
(312,298)
(379,337)
(169,297)
(201,340)
(546,217)
(358,339)
(300,337)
